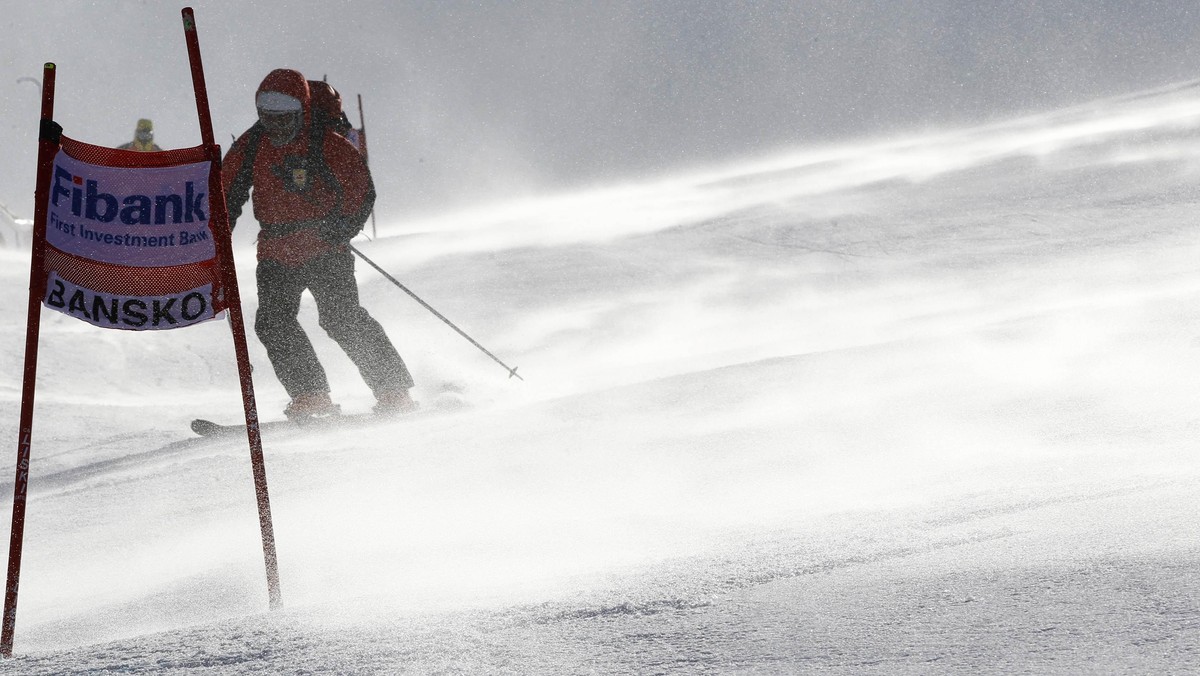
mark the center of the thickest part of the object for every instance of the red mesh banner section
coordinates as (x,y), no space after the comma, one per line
(130,159)
(117,279)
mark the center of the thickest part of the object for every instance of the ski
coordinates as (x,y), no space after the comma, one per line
(449,398)
(208,428)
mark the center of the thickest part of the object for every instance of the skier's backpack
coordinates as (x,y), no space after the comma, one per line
(326,106)
(327,112)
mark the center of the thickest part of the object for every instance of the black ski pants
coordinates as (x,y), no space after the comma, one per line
(330,278)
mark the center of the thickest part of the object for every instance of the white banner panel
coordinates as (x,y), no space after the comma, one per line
(137,217)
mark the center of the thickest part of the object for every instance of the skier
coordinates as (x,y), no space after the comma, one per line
(143,137)
(312,195)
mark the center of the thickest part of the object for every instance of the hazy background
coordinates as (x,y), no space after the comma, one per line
(472,101)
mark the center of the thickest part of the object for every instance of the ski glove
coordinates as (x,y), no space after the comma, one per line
(339,230)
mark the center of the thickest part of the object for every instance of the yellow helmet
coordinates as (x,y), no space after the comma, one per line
(144,131)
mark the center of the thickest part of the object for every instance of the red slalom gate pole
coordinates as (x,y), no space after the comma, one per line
(219,217)
(48,139)
(362,134)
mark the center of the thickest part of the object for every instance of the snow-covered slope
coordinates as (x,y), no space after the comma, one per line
(904,406)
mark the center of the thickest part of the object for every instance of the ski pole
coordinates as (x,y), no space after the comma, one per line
(511,371)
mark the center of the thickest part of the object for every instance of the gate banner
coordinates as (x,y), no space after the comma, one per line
(129,243)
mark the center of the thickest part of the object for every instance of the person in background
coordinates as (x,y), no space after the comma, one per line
(143,137)
(312,194)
